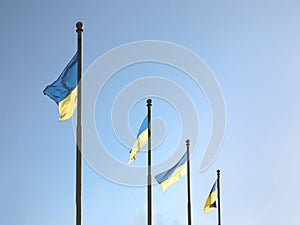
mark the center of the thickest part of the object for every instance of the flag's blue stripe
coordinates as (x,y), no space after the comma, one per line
(213,205)
(213,189)
(167,174)
(65,83)
(143,127)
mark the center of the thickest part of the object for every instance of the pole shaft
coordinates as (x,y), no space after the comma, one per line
(219,198)
(79,31)
(149,104)
(189,207)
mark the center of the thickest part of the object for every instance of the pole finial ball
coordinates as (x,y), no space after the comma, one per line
(149,102)
(79,25)
(188,141)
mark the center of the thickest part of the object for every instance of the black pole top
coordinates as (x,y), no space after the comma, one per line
(187,141)
(79,26)
(149,101)
(218,172)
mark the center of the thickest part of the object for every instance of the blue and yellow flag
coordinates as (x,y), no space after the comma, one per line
(141,140)
(64,90)
(169,177)
(211,202)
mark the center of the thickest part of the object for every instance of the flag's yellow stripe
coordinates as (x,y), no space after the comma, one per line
(66,106)
(212,198)
(141,140)
(180,171)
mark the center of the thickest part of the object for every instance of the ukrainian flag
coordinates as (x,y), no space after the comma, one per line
(64,90)
(169,177)
(141,140)
(211,202)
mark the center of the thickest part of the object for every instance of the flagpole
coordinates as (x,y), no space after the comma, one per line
(219,201)
(149,104)
(188,182)
(79,31)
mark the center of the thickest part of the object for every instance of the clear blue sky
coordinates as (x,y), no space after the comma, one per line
(253,49)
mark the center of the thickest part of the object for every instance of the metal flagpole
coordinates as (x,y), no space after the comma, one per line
(149,104)
(79,31)
(219,201)
(188,182)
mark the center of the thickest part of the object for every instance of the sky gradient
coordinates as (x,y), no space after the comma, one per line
(251,47)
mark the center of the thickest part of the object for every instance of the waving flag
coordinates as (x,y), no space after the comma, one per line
(211,202)
(141,140)
(170,176)
(64,90)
